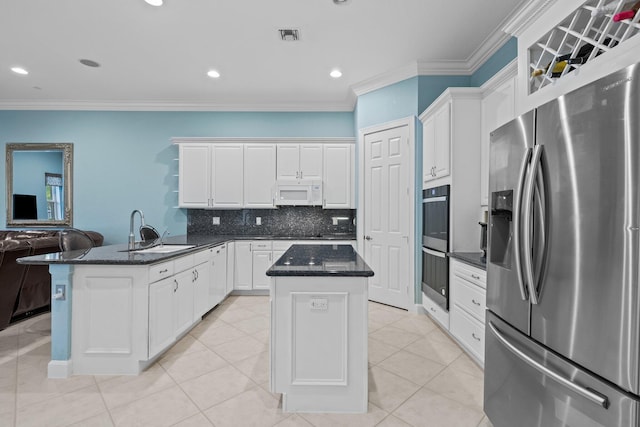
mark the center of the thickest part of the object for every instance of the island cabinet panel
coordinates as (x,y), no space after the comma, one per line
(319,343)
(110,312)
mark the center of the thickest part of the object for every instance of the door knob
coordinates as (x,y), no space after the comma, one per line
(367,238)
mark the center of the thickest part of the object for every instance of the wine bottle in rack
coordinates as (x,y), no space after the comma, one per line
(607,8)
(556,71)
(627,14)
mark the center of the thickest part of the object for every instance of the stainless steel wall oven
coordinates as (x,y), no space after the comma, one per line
(435,244)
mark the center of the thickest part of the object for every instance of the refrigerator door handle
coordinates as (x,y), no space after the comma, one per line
(528,215)
(517,211)
(589,394)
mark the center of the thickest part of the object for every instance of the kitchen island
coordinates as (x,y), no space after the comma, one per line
(318,341)
(115,311)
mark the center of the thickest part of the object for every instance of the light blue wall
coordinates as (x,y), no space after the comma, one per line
(496,62)
(125,161)
(28,175)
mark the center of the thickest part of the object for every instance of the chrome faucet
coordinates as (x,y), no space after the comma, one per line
(132,237)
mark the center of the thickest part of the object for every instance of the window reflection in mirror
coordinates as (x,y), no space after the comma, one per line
(39,184)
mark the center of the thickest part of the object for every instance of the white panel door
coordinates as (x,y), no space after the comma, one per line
(337,176)
(194,186)
(288,161)
(227,175)
(259,175)
(386,215)
(311,161)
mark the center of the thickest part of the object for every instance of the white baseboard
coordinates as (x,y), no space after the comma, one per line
(59,369)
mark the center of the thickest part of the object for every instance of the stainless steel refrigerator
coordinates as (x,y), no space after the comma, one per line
(563,300)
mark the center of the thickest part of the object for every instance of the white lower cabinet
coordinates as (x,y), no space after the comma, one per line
(262,259)
(253,259)
(125,316)
(243,267)
(435,311)
(467,307)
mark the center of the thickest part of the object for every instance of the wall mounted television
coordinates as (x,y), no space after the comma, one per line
(24,206)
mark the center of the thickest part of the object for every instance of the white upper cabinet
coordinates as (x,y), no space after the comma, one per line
(436,139)
(211,176)
(450,126)
(221,173)
(498,108)
(194,187)
(338,174)
(259,175)
(299,161)
(227,175)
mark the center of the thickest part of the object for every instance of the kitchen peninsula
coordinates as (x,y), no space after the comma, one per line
(115,311)
(319,317)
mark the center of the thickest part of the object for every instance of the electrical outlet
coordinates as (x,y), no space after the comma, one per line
(319,304)
(216,220)
(258,220)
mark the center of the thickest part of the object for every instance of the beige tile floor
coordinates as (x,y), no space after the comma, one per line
(217,375)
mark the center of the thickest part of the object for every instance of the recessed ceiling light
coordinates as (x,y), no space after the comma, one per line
(336,74)
(19,70)
(340,1)
(213,74)
(154,2)
(89,63)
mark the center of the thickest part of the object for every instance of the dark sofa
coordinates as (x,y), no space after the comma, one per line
(25,290)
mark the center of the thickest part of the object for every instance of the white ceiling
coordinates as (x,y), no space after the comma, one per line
(157,57)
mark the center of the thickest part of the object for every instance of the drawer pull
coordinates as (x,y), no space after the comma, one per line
(473,300)
(475,337)
(475,276)
(163,271)
(432,309)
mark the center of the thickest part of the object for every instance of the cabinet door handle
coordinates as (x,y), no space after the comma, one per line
(475,276)
(297,174)
(473,300)
(475,337)
(300,174)
(175,288)
(432,309)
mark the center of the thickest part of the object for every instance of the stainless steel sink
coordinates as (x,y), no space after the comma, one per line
(163,249)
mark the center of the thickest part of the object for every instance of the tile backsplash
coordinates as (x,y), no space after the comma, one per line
(295,221)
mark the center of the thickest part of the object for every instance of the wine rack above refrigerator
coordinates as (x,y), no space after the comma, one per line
(592,30)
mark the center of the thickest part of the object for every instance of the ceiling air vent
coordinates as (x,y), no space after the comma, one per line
(289,35)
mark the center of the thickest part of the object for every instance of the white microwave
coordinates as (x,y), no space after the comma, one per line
(299,193)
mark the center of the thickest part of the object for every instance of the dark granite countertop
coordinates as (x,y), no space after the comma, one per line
(477,259)
(119,255)
(320,260)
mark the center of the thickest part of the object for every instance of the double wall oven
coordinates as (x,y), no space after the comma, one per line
(435,244)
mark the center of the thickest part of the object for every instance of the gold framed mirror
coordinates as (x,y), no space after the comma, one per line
(39,184)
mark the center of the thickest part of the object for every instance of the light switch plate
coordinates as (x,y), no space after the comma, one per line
(216,220)
(258,220)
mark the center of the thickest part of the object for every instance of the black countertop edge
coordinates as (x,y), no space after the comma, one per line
(119,255)
(476,259)
(320,260)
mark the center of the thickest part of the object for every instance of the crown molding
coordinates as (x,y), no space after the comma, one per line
(346,106)
(521,20)
(385,79)
(305,139)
